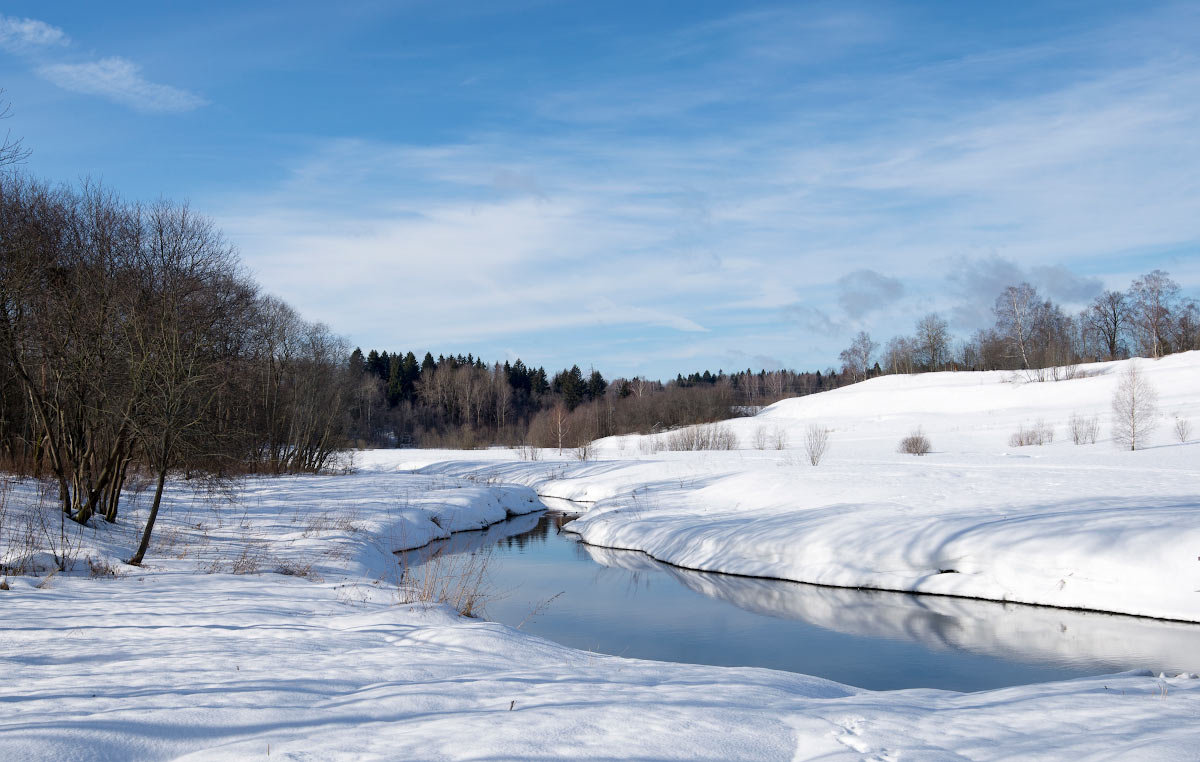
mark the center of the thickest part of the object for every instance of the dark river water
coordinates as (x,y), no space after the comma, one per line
(544,580)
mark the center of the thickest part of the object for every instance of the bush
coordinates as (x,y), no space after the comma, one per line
(1083,430)
(1183,429)
(816,442)
(779,438)
(713,436)
(916,443)
(760,438)
(1039,434)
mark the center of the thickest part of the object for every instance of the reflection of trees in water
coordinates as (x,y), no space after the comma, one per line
(1025,634)
(548,521)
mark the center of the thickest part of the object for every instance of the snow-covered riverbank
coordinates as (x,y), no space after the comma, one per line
(1082,526)
(184,659)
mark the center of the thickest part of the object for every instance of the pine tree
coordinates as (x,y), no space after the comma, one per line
(395,380)
(596,385)
(409,373)
(357,363)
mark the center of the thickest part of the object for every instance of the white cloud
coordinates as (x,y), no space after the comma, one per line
(120,80)
(22,34)
(115,78)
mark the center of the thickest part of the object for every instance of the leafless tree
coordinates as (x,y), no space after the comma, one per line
(12,150)
(135,341)
(560,425)
(1108,315)
(187,282)
(1134,408)
(856,359)
(933,341)
(900,355)
(1152,297)
(1015,310)
(1185,328)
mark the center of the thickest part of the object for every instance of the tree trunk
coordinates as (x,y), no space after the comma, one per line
(158,492)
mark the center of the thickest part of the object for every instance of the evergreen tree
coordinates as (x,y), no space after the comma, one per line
(596,385)
(539,382)
(373,365)
(395,385)
(409,373)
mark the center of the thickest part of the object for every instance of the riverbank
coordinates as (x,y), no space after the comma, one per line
(1085,526)
(271,624)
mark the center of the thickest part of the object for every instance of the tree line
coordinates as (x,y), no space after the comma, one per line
(456,401)
(133,345)
(1033,334)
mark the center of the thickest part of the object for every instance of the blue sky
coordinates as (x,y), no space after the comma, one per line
(648,188)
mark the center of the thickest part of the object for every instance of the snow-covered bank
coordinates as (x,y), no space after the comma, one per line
(1078,526)
(341,526)
(182,659)
(186,666)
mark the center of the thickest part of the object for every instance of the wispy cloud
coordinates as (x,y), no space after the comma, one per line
(18,34)
(121,81)
(118,79)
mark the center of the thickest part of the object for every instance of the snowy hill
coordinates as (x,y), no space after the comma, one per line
(979,410)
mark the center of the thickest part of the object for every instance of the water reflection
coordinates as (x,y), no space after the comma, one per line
(1005,630)
(626,603)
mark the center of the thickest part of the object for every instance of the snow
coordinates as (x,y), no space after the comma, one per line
(1079,526)
(313,653)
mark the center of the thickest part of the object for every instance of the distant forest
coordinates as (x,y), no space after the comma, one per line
(457,401)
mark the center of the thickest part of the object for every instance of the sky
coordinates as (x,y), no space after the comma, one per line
(645,188)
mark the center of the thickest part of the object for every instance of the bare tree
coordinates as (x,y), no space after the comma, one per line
(1185,328)
(856,359)
(1108,315)
(1152,297)
(1134,408)
(188,279)
(933,340)
(560,425)
(1015,311)
(12,150)
(899,355)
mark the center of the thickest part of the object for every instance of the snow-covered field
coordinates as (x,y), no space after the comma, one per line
(1082,526)
(273,623)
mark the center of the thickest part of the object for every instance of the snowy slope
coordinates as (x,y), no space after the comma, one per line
(177,666)
(1083,526)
